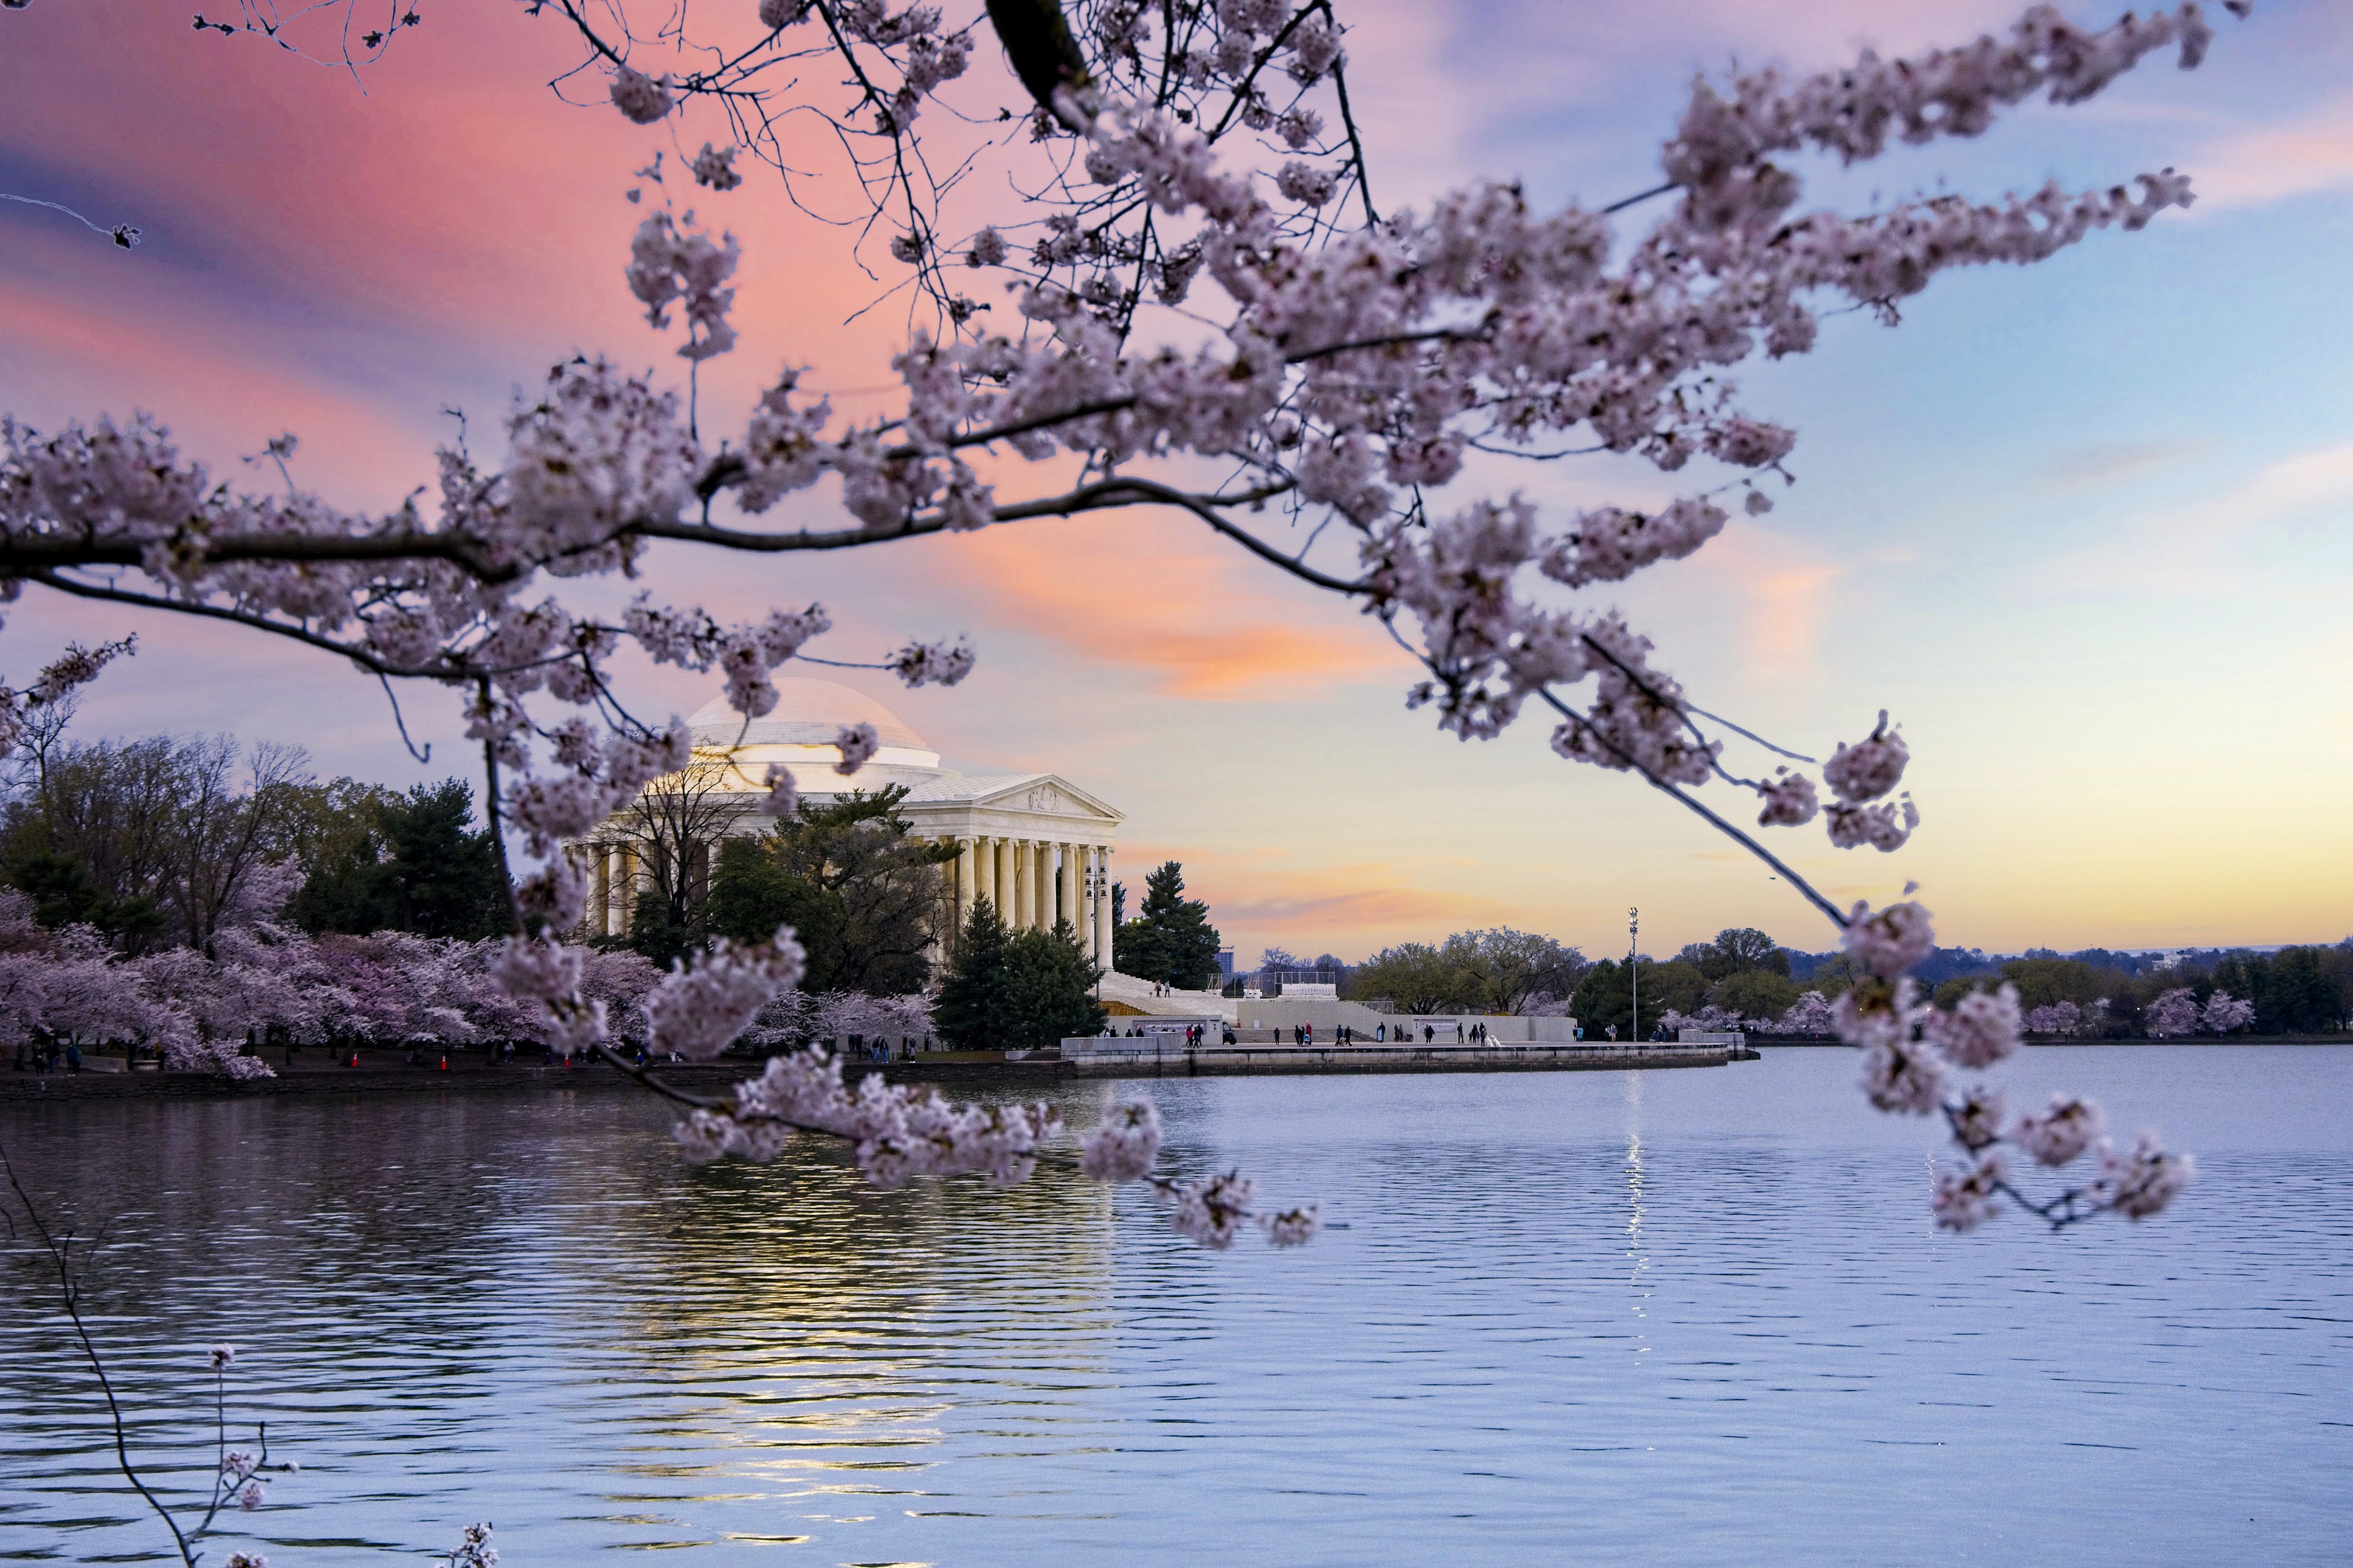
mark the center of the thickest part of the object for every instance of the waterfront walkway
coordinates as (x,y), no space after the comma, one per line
(1167,1055)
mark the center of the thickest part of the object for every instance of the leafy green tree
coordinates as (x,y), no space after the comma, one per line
(379,861)
(173,838)
(1506,969)
(64,894)
(1603,998)
(2047,982)
(443,870)
(2295,996)
(656,931)
(1754,994)
(1049,988)
(1737,950)
(1171,940)
(863,895)
(974,1010)
(1415,977)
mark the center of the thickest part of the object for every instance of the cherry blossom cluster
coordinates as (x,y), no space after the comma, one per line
(698,1012)
(594,460)
(793,1018)
(474,1549)
(2176,1013)
(270,982)
(669,264)
(901,1132)
(75,669)
(2173,1014)
(1912,1051)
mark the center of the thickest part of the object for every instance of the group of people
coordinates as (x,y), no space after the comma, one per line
(43,1056)
(1196,1034)
(1464,1034)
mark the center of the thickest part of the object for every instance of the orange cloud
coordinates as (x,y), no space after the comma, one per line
(1206,623)
(1785,590)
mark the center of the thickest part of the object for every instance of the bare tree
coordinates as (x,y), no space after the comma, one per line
(673,828)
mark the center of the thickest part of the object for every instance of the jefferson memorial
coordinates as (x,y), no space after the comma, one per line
(1033,844)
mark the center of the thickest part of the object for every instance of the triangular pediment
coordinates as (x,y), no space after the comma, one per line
(1047,795)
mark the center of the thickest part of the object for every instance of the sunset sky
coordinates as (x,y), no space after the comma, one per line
(2081,528)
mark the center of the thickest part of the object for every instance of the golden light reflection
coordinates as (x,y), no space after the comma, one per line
(1638,1255)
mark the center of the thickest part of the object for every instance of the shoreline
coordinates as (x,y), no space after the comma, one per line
(27,1087)
(1792,1042)
(470,1076)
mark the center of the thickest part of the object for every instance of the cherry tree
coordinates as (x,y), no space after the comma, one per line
(2054,1018)
(2226,1014)
(1809,1014)
(1189,300)
(2172,1014)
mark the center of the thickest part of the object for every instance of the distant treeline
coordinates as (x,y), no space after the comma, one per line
(2306,990)
(1744,977)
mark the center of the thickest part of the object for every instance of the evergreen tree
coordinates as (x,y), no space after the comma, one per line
(1049,989)
(64,894)
(383,861)
(1171,940)
(443,871)
(862,893)
(974,1010)
(655,931)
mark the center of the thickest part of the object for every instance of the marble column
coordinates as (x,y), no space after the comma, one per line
(1087,896)
(1102,909)
(1000,854)
(1015,868)
(600,892)
(1041,886)
(963,873)
(1072,880)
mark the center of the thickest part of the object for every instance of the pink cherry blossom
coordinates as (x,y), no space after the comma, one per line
(2061,1132)
(1124,1146)
(2143,1180)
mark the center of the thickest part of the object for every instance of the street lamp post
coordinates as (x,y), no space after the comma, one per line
(1633,968)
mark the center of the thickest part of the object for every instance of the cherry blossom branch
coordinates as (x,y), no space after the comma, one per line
(898,1132)
(1804,889)
(59,1253)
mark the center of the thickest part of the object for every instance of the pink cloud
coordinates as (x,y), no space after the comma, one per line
(2310,154)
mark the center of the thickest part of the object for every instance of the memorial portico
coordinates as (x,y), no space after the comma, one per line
(1033,844)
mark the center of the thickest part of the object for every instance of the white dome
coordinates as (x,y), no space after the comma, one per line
(799,732)
(807,714)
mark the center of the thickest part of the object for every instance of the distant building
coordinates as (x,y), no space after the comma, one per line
(1033,844)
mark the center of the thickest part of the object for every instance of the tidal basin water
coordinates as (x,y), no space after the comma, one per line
(1690,1317)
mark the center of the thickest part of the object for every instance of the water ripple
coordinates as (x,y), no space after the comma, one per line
(1668,1317)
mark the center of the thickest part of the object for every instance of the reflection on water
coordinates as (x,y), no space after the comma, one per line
(1638,1262)
(1690,1316)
